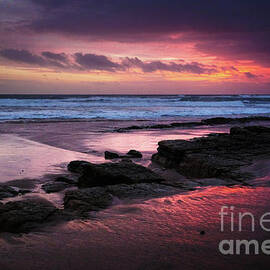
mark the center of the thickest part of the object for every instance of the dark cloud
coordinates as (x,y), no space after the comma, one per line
(87,62)
(22,56)
(194,67)
(250,75)
(95,62)
(237,46)
(229,28)
(26,57)
(61,57)
(151,16)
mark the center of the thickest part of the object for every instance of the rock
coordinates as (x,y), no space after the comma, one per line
(52,187)
(7,192)
(209,121)
(130,154)
(23,183)
(141,190)
(24,191)
(90,199)
(238,131)
(25,215)
(134,153)
(217,121)
(126,160)
(116,173)
(65,180)
(111,155)
(77,166)
(219,156)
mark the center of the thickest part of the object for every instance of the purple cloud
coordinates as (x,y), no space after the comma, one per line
(22,56)
(61,57)
(88,62)
(95,62)
(250,75)
(194,67)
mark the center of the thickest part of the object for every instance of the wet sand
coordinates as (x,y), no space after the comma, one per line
(159,233)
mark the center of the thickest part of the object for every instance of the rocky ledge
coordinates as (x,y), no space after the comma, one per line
(92,187)
(205,122)
(217,155)
(123,172)
(25,215)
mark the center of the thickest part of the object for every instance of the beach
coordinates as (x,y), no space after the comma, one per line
(173,230)
(134,135)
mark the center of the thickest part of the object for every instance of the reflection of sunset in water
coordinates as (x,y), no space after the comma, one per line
(147,235)
(144,141)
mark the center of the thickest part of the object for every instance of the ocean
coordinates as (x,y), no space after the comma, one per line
(127,107)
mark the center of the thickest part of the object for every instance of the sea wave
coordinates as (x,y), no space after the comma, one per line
(130,107)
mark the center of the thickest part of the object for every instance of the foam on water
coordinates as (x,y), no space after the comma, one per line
(15,107)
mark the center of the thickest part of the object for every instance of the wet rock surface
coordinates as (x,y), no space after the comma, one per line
(7,192)
(25,215)
(142,190)
(89,199)
(134,153)
(10,191)
(217,159)
(130,154)
(98,198)
(204,122)
(63,179)
(217,155)
(52,187)
(77,166)
(110,155)
(116,173)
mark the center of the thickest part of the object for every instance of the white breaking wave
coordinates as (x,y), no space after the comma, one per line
(131,107)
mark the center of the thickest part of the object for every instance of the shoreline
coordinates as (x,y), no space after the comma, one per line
(168,221)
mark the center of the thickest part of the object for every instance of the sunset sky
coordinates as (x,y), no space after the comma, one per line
(134,46)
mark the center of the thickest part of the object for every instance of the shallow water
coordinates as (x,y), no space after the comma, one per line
(22,158)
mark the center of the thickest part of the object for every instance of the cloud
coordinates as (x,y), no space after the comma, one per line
(194,67)
(26,57)
(150,16)
(230,29)
(250,75)
(237,46)
(89,62)
(61,57)
(95,62)
(22,56)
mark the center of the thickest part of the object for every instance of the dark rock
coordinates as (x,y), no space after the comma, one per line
(77,166)
(238,131)
(51,187)
(142,190)
(134,153)
(7,192)
(220,156)
(111,155)
(209,121)
(116,173)
(126,160)
(23,216)
(217,121)
(202,232)
(65,180)
(89,199)
(24,191)
(23,183)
